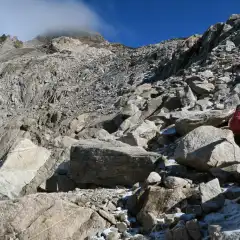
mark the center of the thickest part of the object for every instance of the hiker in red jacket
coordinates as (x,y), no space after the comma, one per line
(234,124)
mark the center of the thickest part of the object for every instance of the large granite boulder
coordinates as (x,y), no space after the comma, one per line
(208,147)
(110,163)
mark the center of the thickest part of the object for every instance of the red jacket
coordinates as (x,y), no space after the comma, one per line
(234,123)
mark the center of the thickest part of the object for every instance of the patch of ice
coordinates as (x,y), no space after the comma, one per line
(107,231)
(231,232)
(178,215)
(127,195)
(132,219)
(119,211)
(161,220)
(168,131)
(173,161)
(224,190)
(97,238)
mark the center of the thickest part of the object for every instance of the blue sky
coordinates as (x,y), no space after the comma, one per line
(141,22)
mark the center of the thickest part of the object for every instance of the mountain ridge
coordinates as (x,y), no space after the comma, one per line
(80,115)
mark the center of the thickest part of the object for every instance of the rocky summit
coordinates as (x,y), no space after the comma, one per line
(103,141)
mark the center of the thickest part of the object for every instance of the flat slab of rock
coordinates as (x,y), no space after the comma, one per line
(21,166)
(110,163)
(207,147)
(48,216)
(214,118)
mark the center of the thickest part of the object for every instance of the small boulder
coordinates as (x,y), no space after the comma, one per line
(122,227)
(179,232)
(148,220)
(140,135)
(200,86)
(187,97)
(79,123)
(152,106)
(193,229)
(211,196)
(158,200)
(133,139)
(130,110)
(175,182)
(130,122)
(206,74)
(202,105)
(153,178)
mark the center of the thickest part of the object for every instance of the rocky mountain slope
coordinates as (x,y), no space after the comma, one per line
(102,141)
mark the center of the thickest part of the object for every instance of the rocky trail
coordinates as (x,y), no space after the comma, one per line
(102,141)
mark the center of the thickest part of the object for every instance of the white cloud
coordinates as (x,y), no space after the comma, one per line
(28,18)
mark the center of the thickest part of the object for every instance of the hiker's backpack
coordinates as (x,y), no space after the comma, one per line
(234,123)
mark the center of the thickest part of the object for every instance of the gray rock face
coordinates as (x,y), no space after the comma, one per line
(44,77)
(207,147)
(110,163)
